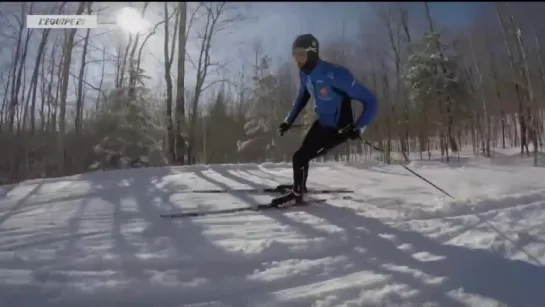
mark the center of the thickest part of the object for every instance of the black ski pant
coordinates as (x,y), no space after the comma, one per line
(318,141)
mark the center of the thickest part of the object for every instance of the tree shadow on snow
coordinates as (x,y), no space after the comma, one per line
(343,249)
(194,257)
(198,269)
(512,282)
(249,200)
(191,257)
(17,205)
(126,201)
(265,176)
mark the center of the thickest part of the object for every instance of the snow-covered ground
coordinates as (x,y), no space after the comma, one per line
(97,239)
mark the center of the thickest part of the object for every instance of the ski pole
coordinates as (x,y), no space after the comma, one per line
(409,170)
(494,228)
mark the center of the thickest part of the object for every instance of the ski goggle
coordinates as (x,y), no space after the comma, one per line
(300,52)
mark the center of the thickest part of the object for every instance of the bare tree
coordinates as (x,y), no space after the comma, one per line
(481,95)
(37,66)
(18,65)
(180,83)
(168,52)
(34,81)
(67,60)
(531,110)
(219,16)
(497,99)
(516,85)
(394,37)
(101,83)
(79,98)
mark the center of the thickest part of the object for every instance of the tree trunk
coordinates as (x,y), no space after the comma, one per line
(34,81)
(67,60)
(180,83)
(479,92)
(79,98)
(168,53)
(521,117)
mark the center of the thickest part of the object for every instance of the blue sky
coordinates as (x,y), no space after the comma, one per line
(277,23)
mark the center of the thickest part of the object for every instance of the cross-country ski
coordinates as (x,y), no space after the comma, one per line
(258,207)
(271,190)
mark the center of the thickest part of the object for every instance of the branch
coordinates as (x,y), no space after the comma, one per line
(99,61)
(58,65)
(204,88)
(192,18)
(148,37)
(190,60)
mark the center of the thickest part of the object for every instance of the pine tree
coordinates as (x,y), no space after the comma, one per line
(130,135)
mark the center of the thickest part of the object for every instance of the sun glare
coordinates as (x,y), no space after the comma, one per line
(130,20)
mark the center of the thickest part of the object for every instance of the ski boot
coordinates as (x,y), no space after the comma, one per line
(287,200)
(283,188)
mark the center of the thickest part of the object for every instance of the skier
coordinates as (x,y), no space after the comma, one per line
(332,87)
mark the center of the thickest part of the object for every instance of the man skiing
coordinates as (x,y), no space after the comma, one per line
(332,87)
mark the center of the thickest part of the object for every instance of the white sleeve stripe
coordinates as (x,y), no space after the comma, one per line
(353,82)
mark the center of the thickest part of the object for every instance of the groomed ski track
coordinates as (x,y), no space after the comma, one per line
(97,239)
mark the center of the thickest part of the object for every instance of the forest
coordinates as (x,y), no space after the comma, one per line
(72,103)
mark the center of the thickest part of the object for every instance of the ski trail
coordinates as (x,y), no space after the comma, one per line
(98,239)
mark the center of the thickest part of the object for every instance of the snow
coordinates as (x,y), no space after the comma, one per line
(97,238)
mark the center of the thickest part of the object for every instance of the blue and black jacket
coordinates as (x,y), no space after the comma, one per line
(333,87)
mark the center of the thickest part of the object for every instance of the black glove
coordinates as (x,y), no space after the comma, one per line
(283,128)
(351,132)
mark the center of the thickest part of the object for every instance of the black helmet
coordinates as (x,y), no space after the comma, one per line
(311,45)
(308,42)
